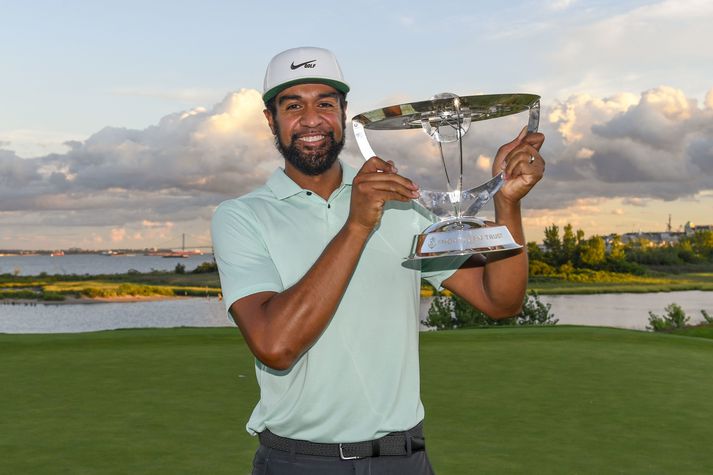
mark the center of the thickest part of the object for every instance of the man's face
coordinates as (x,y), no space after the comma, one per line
(309,126)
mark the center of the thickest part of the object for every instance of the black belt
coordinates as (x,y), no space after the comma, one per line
(395,443)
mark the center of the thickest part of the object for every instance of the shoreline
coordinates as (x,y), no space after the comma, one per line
(96,300)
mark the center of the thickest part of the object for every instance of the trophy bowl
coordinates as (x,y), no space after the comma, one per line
(446,118)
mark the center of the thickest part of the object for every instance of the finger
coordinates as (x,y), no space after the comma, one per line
(386,195)
(521,135)
(376,164)
(522,168)
(374,177)
(505,149)
(535,139)
(521,156)
(375,187)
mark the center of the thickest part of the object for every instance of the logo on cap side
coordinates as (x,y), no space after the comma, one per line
(306,64)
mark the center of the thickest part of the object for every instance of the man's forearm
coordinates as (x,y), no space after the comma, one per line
(292,320)
(505,279)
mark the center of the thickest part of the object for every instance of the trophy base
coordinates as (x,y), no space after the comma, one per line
(460,237)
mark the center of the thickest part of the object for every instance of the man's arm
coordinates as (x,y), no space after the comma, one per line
(498,288)
(279,327)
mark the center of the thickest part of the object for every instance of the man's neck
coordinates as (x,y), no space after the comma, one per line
(323,184)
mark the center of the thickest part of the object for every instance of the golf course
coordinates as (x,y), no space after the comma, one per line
(552,399)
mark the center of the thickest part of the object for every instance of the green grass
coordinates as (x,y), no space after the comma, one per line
(609,282)
(57,287)
(202,284)
(568,400)
(703,330)
(504,400)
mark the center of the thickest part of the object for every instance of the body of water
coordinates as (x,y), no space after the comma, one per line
(612,310)
(81,264)
(71,318)
(619,310)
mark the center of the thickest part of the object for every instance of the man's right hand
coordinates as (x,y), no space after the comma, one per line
(280,326)
(376,183)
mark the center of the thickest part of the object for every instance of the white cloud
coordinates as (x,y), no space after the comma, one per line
(118,234)
(187,162)
(709,99)
(155,224)
(484,162)
(35,142)
(152,182)
(634,201)
(658,40)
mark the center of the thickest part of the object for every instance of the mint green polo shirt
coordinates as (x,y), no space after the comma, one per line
(360,380)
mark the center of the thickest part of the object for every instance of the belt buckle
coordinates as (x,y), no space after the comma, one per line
(344,457)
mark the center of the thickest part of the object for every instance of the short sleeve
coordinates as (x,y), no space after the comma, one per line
(438,269)
(244,264)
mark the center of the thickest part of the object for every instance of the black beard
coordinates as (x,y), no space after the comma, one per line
(313,163)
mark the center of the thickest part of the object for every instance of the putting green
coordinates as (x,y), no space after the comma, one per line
(503,400)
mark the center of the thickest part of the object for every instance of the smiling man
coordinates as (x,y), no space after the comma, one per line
(311,271)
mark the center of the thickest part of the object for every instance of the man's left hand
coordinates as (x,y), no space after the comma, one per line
(522,163)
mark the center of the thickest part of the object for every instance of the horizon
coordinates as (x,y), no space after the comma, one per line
(124,125)
(187,248)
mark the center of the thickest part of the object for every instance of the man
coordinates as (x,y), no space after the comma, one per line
(311,271)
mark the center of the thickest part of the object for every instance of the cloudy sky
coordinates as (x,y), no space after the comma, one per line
(123,124)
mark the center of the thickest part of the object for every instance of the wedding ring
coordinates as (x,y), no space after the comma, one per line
(532,160)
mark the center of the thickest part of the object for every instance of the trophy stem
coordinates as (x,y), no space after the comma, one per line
(460,152)
(445,168)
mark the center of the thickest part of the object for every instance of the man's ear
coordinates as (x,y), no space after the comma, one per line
(270,120)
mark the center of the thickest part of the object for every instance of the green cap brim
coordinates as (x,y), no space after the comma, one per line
(339,86)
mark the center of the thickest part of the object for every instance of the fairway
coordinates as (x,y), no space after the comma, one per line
(504,400)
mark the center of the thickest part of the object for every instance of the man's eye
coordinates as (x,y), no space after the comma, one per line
(326,104)
(292,106)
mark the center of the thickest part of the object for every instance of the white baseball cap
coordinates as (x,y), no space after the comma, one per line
(302,65)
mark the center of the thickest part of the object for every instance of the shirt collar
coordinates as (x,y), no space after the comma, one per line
(283,187)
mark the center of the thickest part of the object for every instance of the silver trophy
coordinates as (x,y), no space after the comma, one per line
(446,118)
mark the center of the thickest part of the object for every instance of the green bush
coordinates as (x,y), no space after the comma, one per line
(454,312)
(448,312)
(674,318)
(19,294)
(205,268)
(180,268)
(206,292)
(143,290)
(706,316)
(540,268)
(53,296)
(127,290)
(440,313)
(534,312)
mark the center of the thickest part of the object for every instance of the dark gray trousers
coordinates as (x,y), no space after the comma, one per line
(276,462)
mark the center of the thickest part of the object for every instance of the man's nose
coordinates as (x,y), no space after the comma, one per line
(310,117)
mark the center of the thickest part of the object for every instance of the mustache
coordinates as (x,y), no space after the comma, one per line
(329,134)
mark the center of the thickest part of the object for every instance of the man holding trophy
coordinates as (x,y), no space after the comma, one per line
(314,271)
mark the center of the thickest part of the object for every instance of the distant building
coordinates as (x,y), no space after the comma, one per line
(656,239)
(690,229)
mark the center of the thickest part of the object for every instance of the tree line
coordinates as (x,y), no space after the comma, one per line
(571,250)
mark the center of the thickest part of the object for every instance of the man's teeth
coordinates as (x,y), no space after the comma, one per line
(312,138)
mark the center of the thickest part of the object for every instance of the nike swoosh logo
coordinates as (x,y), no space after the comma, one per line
(295,66)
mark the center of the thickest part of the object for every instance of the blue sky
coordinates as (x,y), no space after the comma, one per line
(122,124)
